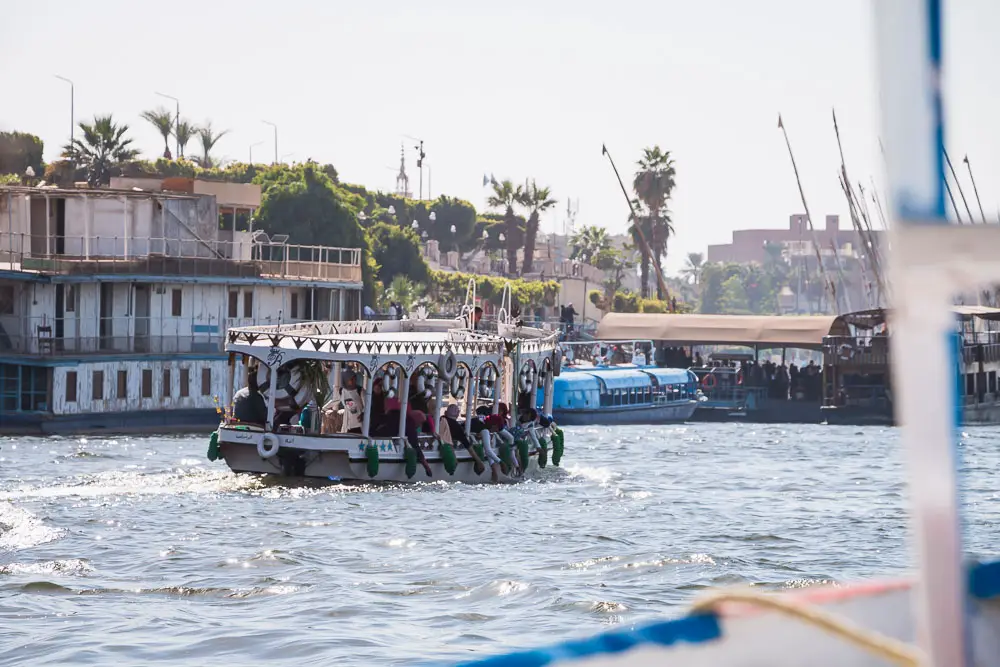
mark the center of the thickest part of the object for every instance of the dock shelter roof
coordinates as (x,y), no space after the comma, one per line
(796,331)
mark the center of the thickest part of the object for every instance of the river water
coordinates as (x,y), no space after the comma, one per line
(134,550)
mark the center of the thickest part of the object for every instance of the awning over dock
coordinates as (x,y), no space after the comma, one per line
(795,331)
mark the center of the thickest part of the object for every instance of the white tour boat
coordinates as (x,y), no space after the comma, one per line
(372,377)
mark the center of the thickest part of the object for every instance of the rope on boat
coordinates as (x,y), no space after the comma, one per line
(887,648)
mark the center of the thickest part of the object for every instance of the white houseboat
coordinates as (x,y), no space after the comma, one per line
(114,303)
(431,362)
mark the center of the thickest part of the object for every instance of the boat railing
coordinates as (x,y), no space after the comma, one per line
(96,255)
(856,350)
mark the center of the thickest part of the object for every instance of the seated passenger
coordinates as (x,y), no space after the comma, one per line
(389,428)
(450,430)
(351,401)
(249,405)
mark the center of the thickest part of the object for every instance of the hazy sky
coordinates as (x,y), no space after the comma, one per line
(513,88)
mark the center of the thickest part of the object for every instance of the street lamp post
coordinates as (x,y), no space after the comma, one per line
(177,122)
(267,122)
(251,150)
(72,119)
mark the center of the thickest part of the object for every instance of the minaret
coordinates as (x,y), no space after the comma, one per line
(402,180)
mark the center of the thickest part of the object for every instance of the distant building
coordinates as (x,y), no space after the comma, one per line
(799,247)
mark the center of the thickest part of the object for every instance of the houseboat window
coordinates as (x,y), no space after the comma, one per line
(185,382)
(34,388)
(165,390)
(176,303)
(147,383)
(71,386)
(234,303)
(6,299)
(70,306)
(248,304)
(206,381)
(294,310)
(97,385)
(122,384)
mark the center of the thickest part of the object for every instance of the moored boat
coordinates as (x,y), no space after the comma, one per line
(647,395)
(383,376)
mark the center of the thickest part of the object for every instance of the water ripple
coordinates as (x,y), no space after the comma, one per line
(137,550)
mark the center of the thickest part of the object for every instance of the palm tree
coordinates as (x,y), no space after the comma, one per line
(536,200)
(208,140)
(184,133)
(103,147)
(653,185)
(404,291)
(163,121)
(588,242)
(692,270)
(504,196)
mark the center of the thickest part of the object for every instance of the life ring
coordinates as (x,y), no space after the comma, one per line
(524,381)
(447,365)
(709,381)
(845,351)
(390,382)
(268,446)
(457,386)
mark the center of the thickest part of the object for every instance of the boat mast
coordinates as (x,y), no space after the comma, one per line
(819,258)
(931,261)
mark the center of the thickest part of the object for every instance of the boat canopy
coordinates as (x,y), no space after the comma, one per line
(798,331)
(665,376)
(622,379)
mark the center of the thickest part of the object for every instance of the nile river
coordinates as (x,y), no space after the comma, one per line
(135,550)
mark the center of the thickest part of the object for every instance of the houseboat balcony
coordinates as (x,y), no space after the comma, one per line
(67,255)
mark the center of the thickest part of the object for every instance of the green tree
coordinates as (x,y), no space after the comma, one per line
(397,251)
(184,132)
(536,201)
(163,121)
(208,138)
(18,151)
(588,243)
(404,291)
(505,196)
(103,148)
(734,300)
(654,184)
(303,203)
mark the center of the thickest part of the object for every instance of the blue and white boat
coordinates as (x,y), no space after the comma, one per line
(633,395)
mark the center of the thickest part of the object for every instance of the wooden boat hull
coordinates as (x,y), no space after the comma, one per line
(626,414)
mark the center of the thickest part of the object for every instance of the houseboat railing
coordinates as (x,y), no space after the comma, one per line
(100,345)
(188,257)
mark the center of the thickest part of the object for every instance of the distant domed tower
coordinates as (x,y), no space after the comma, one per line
(402,180)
